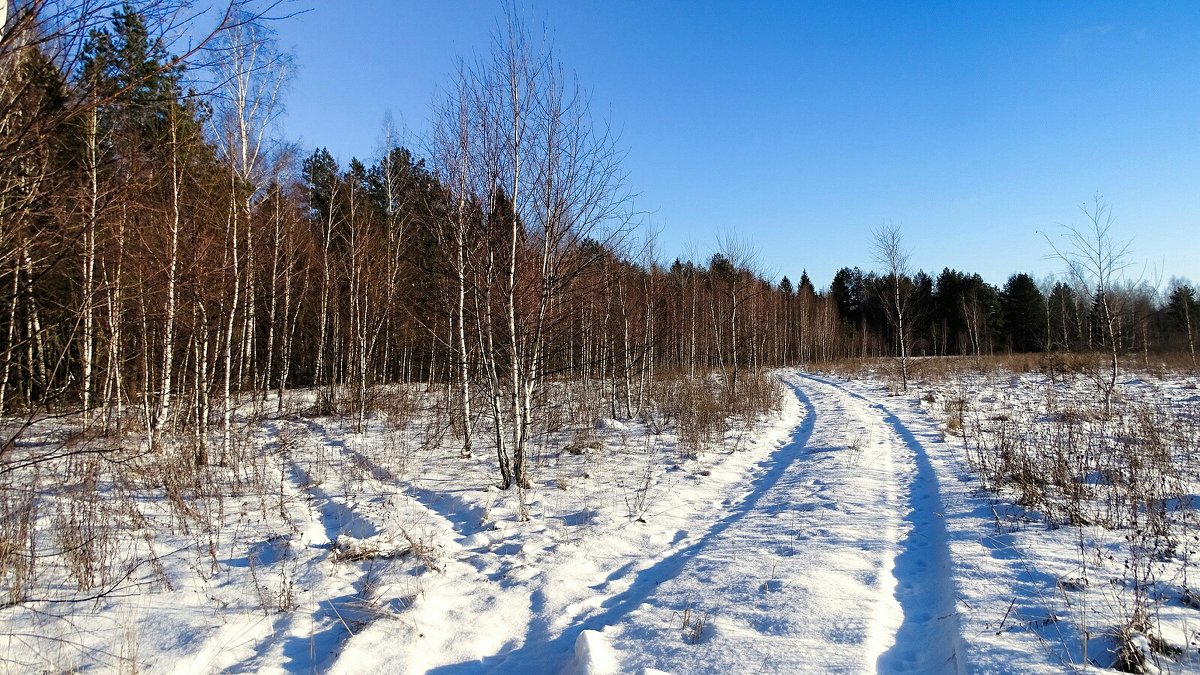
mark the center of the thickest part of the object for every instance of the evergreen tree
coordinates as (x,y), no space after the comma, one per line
(947,317)
(124,65)
(922,313)
(321,175)
(1184,312)
(1024,311)
(850,295)
(1182,306)
(805,284)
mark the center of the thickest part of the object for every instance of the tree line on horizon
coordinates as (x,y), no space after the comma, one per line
(162,258)
(959,314)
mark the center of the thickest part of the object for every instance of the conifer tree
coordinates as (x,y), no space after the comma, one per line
(1024,310)
(1184,310)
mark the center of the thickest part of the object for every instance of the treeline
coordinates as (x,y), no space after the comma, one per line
(162,260)
(958,313)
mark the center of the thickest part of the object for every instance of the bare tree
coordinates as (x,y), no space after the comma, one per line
(738,283)
(1095,260)
(888,247)
(1180,306)
(251,75)
(546,178)
(453,145)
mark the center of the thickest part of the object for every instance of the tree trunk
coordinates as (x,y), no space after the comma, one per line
(88,349)
(164,403)
(232,239)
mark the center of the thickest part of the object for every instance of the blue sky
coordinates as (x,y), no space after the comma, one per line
(974,127)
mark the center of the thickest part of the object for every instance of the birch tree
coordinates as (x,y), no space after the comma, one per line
(251,74)
(889,251)
(548,178)
(1095,260)
(455,143)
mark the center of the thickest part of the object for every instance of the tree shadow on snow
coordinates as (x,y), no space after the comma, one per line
(542,652)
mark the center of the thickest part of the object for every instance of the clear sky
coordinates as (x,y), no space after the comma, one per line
(801,126)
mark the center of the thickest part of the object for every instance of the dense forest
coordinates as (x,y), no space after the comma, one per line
(162,257)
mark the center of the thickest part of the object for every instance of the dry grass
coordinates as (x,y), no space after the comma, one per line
(1039,435)
(703,410)
(1054,365)
(86,515)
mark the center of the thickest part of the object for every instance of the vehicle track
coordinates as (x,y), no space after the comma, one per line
(838,563)
(928,639)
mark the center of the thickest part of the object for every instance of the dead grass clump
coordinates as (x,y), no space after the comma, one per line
(329,403)
(1058,365)
(955,407)
(1118,471)
(1140,651)
(705,408)
(16,545)
(84,530)
(696,407)
(396,404)
(1128,469)
(349,549)
(757,394)
(693,624)
(583,440)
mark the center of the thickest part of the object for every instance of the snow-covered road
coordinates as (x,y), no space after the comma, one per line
(836,562)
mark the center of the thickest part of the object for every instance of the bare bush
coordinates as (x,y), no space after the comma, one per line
(703,409)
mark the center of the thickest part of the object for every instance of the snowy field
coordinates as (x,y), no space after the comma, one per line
(846,531)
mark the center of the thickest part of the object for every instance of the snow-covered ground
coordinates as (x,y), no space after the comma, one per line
(843,532)
(1107,528)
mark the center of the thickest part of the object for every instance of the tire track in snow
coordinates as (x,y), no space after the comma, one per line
(544,652)
(837,563)
(832,558)
(928,638)
(734,563)
(463,547)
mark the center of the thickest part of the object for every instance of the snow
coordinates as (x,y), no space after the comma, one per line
(817,568)
(593,656)
(843,532)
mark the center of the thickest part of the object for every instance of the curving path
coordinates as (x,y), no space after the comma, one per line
(838,564)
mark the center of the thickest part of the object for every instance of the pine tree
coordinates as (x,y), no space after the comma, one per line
(1184,311)
(849,292)
(805,283)
(1065,318)
(1024,310)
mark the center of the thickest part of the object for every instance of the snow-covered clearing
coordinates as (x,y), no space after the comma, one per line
(841,533)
